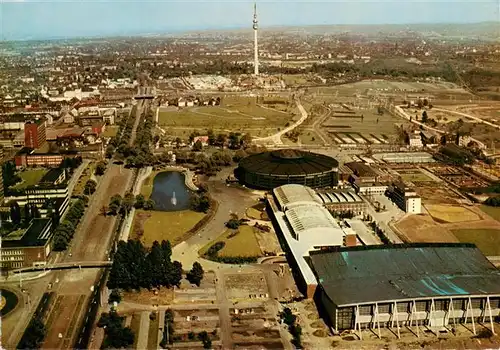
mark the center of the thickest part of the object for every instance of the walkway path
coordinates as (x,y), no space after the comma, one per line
(276,138)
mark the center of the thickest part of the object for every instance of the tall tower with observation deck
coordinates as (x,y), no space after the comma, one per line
(255,44)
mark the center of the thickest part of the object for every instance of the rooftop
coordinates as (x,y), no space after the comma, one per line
(35,235)
(408,271)
(294,194)
(52,175)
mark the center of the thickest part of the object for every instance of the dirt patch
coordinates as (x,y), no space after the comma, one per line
(248,285)
(138,227)
(320,333)
(162,296)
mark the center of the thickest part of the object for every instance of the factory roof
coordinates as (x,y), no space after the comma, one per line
(339,196)
(289,195)
(380,273)
(309,217)
(405,157)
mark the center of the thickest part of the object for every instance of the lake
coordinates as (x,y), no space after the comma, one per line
(170,192)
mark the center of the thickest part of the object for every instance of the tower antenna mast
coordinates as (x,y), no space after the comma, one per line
(255,44)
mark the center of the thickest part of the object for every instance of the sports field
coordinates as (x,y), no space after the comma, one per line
(487,240)
(236,113)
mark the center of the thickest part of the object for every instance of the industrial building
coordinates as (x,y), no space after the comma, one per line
(342,200)
(404,157)
(405,197)
(268,170)
(304,225)
(412,285)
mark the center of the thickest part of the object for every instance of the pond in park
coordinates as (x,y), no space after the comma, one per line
(170,192)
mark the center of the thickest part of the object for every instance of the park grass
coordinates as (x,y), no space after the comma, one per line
(308,137)
(243,244)
(150,226)
(147,185)
(30,178)
(110,131)
(494,212)
(487,240)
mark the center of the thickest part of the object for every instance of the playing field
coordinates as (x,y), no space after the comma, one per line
(450,213)
(242,244)
(487,240)
(150,226)
(236,113)
(110,131)
(414,175)
(30,178)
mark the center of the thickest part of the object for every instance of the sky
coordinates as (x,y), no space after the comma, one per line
(43,19)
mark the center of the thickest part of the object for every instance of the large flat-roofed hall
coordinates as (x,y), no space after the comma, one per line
(412,285)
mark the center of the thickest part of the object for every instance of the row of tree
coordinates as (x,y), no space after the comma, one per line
(120,143)
(123,205)
(141,154)
(66,229)
(295,330)
(116,335)
(136,267)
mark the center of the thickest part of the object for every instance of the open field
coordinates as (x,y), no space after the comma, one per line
(246,285)
(30,178)
(494,212)
(422,228)
(437,193)
(241,242)
(147,185)
(110,131)
(487,240)
(414,175)
(162,296)
(150,226)
(236,113)
(451,214)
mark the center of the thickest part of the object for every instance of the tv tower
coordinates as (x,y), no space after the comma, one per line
(255,45)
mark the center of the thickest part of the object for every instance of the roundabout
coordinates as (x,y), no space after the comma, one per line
(8,301)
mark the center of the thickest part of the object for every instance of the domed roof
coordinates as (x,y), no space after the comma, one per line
(288,162)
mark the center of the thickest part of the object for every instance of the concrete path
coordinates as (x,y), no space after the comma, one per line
(142,336)
(276,138)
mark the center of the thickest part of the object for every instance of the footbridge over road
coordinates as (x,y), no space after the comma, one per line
(145,93)
(66,266)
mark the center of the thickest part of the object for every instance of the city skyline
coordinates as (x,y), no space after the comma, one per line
(27,19)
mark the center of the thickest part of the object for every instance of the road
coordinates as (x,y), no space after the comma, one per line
(276,138)
(470,116)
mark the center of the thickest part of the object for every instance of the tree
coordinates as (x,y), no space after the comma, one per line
(33,335)
(424,117)
(198,146)
(115,204)
(115,296)
(221,140)
(128,202)
(195,275)
(176,275)
(149,204)
(287,316)
(205,339)
(234,140)
(15,213)
(211,137)
(139,201)
(116,336)
(100,168)
(200,202)
(90,187)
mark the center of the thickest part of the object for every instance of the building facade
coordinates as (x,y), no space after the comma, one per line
(405,197)
(34,134)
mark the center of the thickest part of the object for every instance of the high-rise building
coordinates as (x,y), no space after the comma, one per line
(34,134)
(255,44)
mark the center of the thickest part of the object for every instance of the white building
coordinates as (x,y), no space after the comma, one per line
(298,215)
(405,197)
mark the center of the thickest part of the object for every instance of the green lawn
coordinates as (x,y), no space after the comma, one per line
(30,178)
(147,185)
(243,244)
(110,131)
(150,226)
(487,240)
(494,212)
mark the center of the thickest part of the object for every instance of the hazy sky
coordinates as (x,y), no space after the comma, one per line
(23,19)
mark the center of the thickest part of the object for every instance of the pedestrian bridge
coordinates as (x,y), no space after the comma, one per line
(65,266)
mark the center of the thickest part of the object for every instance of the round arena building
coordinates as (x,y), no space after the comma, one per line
(271,169)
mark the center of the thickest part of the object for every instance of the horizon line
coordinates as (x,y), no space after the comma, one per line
(225,29)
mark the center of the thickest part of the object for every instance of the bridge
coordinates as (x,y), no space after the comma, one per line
(66,266)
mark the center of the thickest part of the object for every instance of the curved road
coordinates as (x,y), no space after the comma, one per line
(276,138)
